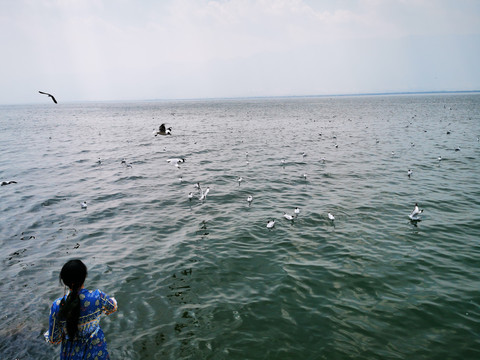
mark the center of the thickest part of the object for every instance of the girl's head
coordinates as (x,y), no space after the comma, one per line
(73,274)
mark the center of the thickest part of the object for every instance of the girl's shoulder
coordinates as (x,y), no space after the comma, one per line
(85,293)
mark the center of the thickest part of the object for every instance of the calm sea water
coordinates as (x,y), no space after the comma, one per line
(208,280)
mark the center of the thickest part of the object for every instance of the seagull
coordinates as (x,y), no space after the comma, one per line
(240,179)
(197,186)
(331,217)
(163,131)
(176,160)
(124,163)
(49,95)
(409,173)
(439,158)
(288,216)
(84,205)
(297,211)
(8,182)
(305,176)
(190,196)
(99,161)
(457,148)
(283,162)
(180,179)
(270,224)
(204,194)
(414,216)
(249,199)
(304,154)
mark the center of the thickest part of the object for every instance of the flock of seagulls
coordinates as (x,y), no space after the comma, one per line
(414,216)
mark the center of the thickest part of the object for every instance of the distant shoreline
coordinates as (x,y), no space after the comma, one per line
(395,93)
(305,96)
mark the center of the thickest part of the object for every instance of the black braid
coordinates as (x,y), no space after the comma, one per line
(73,275)
(70,311)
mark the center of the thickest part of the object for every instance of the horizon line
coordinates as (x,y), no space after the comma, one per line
(393,93)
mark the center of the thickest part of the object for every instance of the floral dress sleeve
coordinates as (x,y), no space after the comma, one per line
(109,304)
(54,335)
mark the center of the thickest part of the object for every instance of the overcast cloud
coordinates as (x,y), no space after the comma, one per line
(131,50)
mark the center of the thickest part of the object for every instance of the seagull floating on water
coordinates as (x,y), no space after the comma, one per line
(49,95)
(190,196)
(297,211)
(84,205)
(288,216)
(124,163)
(176,160)
(240,179)
(270,224)
(331,217)
(249,199)
(414,216)
(409,172)
(439,158)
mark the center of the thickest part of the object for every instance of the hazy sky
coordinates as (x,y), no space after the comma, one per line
(165,49)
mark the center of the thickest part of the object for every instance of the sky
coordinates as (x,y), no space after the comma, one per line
(102,50)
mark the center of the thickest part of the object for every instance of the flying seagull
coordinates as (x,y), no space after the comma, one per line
(50,95)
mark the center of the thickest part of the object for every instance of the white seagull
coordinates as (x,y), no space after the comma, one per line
(249,199)
(288,216)
(270,224)
(176,161)
(331,217)
(190,196)
(204,194)
(297,211)
(409,172)
(84,205)
(240,179)
(414,216)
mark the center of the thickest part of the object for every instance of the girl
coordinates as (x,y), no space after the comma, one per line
(75,317)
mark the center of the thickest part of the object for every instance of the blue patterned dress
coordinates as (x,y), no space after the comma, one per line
(89,342)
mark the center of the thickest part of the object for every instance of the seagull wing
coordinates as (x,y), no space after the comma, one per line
(50,95)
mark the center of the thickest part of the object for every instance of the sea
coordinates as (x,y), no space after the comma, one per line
(205,278)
